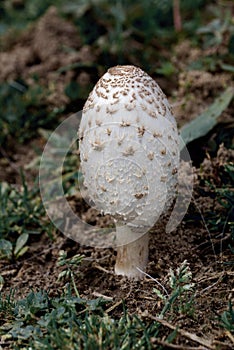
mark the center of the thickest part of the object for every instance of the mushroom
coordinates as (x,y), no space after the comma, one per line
(129,158)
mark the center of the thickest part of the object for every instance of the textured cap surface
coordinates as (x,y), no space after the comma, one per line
(129,147)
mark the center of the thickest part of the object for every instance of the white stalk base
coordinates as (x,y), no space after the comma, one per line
(131,256)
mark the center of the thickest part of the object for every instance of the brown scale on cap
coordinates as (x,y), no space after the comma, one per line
(130,80)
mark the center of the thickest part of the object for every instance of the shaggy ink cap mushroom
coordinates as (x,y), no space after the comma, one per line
(129,158)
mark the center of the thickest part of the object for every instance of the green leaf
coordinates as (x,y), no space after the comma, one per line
(1,282)
(227,67)
(62,275)
(167,69)
(22,251)
(20,243)
(5,248)
(72,90)
(208,119)
(159,294)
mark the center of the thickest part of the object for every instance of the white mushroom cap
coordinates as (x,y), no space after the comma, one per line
(129,146)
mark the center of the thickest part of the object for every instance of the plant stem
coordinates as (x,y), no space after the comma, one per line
(74,285)
(177,15)
(169,302)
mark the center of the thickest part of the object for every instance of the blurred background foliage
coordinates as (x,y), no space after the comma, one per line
(123,30)
(111,24)
(120,32)
(23,111)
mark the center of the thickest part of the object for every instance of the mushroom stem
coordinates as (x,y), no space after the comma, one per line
(131,255)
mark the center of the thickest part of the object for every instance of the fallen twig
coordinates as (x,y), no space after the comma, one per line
(205,342)
(114,306)
(105,297)
(175,346)
(102,269)
(230,336)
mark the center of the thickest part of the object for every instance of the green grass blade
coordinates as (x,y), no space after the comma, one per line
(208,119)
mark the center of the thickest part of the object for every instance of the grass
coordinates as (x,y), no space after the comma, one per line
(69,271)
(65,321)
(220,189)
(181,286)
(227,318)
(23,111)
(19,14)
(21,215)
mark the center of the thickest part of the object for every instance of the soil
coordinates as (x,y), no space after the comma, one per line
(41,51)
